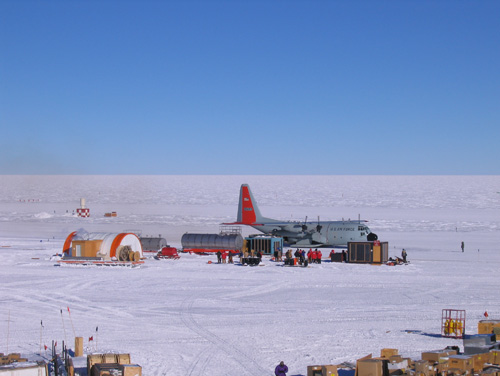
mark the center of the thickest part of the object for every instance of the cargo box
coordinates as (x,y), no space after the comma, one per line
(370,367)
(314,371)
(461,362)
(396,358)
(486,326)
(123,358)
(442,368)
(14,356)
(4,360)
(436,355)
(109,358)
(387,353)
(106,369)
(93,359)
(402,365)
(494,356)
(478,361)
(131,369)
(424,368)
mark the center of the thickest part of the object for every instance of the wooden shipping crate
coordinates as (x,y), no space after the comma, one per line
(14,356)
(93,359)
(123,358)
(109,358)
(369,367)
(494,356)
(461,362)
(434,356)
(478,361)
(424,368)
(131,370)
(442,368)
(106,369)
(387,353)
(486,326)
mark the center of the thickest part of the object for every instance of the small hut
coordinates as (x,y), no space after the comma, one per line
(107,246)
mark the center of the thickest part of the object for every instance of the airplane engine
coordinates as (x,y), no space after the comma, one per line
(372,237)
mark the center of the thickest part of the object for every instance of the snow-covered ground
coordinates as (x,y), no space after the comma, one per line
(188,317)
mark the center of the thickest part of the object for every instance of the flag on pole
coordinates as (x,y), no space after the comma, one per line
(91,338)
(96,328)
(45,347)
(41,323)
(69,311)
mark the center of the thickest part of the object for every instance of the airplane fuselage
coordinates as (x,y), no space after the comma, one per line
(317,234)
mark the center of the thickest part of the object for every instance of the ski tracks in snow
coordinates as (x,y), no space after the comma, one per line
(216,345)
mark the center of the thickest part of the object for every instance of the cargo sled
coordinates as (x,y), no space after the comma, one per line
(167,253)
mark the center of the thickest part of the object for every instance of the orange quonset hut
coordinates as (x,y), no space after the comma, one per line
(107,246)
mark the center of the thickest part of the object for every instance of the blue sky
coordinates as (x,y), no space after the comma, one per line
(250,87)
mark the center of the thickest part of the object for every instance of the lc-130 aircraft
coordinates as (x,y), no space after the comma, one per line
(301,234)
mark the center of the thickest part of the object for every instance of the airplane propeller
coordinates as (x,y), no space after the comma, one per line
(304,226)
(318,227)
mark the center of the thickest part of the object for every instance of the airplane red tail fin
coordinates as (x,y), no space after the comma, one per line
(246,210)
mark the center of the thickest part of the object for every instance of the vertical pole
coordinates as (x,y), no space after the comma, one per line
(64,328)
(41,328)
(8,331)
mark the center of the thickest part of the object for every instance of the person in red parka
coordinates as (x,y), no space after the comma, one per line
(281,369)
(318,257)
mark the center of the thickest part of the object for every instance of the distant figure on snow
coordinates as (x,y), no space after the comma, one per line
(332,255)
(281,369)
(462,246)
(403,255)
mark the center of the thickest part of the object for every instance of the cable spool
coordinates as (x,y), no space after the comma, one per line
(124,252)
(137,256)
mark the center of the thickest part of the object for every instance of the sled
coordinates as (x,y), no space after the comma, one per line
(167,253)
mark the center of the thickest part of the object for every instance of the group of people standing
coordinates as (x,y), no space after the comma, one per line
(312,256)
(223,256)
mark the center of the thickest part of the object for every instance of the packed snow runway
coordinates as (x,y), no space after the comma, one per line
(189,317)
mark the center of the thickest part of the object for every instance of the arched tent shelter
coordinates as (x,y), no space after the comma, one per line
(108,246)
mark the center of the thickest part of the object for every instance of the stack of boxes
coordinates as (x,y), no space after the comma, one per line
(481,356)
(488,327)
(115,364)
(11,358)
(446,362)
